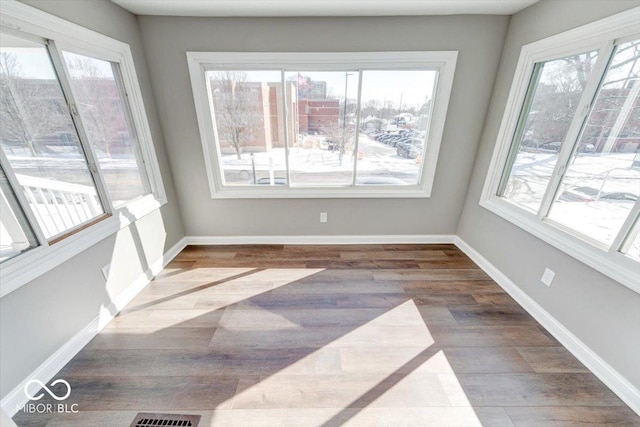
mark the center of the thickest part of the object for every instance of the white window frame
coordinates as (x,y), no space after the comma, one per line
(201,62)
(24,19)
(597,35)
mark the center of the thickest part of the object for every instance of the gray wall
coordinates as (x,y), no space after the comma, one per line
(38,318)
(477,38)
(602,313)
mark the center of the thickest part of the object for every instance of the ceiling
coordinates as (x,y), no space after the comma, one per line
(322,7)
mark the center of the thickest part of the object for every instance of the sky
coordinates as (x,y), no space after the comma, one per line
(410,85)
(34,63)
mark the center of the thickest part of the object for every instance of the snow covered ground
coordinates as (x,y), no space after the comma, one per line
(318,166)
(596,195)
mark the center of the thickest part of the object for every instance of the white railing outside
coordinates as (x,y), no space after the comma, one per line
(60,206)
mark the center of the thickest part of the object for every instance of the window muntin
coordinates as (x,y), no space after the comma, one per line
(554,93)
(321,152)
(631,247)
(601,184)
(319,172)
(40,141)
(606,36)
(247,107)
(25,26)
(396,110)
(99,95)
(16,235)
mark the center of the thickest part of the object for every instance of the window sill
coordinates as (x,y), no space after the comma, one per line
(266,192)
(614,265)
(34,263)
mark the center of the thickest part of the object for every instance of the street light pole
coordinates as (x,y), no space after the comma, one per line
(344,111)
(344,116)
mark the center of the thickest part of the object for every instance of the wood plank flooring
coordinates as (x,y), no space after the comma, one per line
(367,335)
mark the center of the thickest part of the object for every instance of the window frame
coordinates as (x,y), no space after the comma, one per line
(601,35)
(29,22)
(201,62)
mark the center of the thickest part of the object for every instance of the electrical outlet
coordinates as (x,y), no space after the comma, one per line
(105,271)
(323,217)
(547,277)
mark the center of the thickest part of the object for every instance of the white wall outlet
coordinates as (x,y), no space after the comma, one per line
(323,217)
(547,277)
(105,271)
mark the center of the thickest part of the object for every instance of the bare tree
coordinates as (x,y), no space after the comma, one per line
(237,116)
(26,109)
(341,136)
(558,94)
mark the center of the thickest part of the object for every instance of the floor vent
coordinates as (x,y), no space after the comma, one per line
(144,419)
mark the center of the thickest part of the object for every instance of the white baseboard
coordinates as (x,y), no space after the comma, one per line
(16,399)
(601,369)
(609,376)
(321,240)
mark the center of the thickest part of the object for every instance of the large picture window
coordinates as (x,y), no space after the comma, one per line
(76,153)
(321,125)
(567,163)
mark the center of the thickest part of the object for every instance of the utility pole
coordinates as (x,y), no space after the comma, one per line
(344,111)
(344,117)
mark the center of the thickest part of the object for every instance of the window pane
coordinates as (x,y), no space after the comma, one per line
(633,250)
(321,151)
(248,117)
(602,181)
(394,121)
(552,98)
(40,141)
(101,107)
(16,235)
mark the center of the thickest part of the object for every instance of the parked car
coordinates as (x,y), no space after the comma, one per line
(394,141)
(409,150)
(550,147)
(586,148)
(529,145)
(590,194)
(276,181)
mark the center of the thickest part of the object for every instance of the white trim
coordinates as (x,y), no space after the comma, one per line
(577,40)
(200,62)
(321,240)
(16,398)
(591,36)
(615,265)
(75,38)
(35,262)
(607,374)
(32,264)
(599,367)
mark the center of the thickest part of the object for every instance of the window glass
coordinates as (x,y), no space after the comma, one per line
(554,92)
(99,99)
(602,182)
(633,249)
(248,109)
(40,141)
(323,126)
(394,121)
(16,235)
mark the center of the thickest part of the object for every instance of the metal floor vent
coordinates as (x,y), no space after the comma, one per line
(144,419)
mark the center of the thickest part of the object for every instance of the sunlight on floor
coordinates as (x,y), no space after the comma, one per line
(201,291)
(396,380)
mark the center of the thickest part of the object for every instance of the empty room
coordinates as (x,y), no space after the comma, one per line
(243,213)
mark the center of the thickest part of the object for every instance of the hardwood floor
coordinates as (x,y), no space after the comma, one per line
(370,335)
